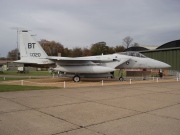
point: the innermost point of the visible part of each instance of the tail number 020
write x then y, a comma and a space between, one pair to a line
35, 54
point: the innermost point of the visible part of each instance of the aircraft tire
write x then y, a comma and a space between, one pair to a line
76, 78
121, 79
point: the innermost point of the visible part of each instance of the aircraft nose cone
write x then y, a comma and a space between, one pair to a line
164, 65
157, 64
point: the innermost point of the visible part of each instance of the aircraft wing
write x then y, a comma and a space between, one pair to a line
93, 59
79, 61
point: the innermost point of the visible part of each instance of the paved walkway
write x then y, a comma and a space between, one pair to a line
137, 109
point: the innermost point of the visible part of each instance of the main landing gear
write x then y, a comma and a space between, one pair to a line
76, 78
121, 78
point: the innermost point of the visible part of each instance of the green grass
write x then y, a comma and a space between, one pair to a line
8, 88
31, 73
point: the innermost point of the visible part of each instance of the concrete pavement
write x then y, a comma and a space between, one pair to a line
137, 109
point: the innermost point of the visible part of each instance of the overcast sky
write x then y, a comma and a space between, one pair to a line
80, 23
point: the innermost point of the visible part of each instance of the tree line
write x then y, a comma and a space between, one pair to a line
53, 48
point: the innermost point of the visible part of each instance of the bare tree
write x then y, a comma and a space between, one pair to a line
127, 41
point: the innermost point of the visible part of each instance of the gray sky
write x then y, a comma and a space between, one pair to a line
80, 23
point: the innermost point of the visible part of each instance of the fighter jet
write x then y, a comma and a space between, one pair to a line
32, 53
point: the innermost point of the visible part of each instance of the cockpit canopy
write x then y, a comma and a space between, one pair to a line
132, 53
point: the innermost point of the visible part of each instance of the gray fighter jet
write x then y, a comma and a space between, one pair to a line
31, 53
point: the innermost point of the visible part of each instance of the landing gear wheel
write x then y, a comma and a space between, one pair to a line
76, 78
121, 79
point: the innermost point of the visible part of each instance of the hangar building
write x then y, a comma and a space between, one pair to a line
168, 53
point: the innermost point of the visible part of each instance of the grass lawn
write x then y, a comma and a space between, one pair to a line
31, 73
17, 76
7, 88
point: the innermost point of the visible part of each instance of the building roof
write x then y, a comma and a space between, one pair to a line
163, 49
172, 44
167, 46
150, 47
136, 48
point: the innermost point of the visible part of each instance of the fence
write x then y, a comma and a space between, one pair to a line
68, 83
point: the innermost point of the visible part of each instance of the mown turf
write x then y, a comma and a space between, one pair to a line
31, 73
7, 88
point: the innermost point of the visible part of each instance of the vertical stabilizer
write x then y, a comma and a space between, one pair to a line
29, 47
31, 51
